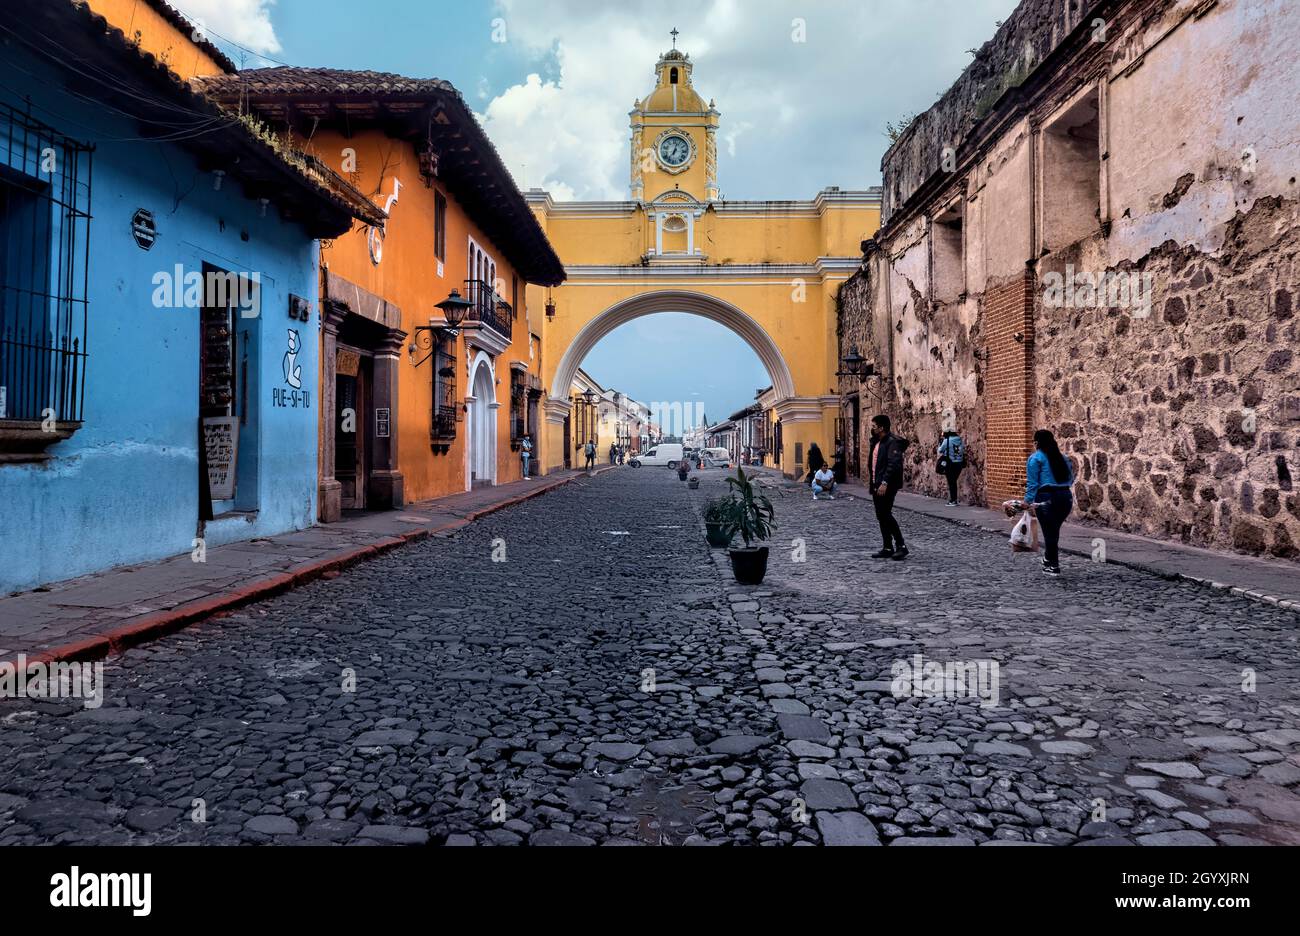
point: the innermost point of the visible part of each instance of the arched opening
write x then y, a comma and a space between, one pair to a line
672, 76
709, 307
672, 402
482, 453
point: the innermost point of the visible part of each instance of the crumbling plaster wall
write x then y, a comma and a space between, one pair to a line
1185, 420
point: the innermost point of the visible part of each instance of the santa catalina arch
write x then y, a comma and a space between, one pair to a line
768, 270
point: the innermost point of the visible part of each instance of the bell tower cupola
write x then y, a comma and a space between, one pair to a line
674, 135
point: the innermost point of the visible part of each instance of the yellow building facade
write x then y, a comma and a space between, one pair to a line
768, 270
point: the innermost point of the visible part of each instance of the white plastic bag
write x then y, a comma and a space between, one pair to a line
1024, 535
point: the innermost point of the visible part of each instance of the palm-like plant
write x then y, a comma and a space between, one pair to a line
746, 511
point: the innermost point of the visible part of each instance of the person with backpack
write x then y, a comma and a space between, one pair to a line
1048, 479
589, 450
952, 459
885, 478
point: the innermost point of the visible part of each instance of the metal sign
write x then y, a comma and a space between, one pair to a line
382, 417
221, 442
144, 229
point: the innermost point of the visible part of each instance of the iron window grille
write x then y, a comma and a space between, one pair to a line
518, 406
446, 411
44, 260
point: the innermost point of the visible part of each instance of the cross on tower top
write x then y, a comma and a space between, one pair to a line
674, 34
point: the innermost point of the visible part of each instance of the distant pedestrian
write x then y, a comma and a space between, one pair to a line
526, 453
885, 461
613, 454
823, 483
815, 461
1048, 478
589, 450
952, 459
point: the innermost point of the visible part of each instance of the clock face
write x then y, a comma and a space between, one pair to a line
674, 151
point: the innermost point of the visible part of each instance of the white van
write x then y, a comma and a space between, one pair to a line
717, 458
665, 454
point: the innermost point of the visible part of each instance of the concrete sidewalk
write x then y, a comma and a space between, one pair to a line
1273, 581
106, 612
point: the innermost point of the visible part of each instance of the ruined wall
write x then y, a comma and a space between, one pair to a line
1178, 395
1025, 38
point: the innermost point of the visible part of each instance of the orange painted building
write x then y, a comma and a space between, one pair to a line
157, 28
411, 410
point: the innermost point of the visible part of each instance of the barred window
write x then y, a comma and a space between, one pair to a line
518, 405
44, 235
446, 411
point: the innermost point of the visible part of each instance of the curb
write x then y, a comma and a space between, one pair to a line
161, 623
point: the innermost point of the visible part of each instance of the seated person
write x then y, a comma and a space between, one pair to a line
823, 482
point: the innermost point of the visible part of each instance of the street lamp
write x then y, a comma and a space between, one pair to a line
856, 366
454, 309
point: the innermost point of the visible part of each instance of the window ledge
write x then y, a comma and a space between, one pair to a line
24, 441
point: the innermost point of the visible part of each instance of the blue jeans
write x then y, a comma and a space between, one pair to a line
1057, 502
818, 489
526, 457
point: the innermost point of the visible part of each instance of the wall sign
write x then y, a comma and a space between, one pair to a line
299, 309
144, 229
382, 417
221, 442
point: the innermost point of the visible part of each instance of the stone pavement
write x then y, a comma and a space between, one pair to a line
1271, 581
89, 616
581, 668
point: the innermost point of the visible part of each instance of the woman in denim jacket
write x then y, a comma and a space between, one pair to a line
1048, 478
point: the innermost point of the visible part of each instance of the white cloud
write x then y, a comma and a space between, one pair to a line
795, 116
246, 22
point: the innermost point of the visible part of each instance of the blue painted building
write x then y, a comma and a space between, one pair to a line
158, 322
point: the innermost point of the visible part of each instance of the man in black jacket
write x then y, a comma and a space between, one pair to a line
885, 474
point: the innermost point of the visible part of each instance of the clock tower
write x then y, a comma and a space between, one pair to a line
674, 135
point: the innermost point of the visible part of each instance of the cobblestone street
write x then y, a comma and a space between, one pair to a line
608, 682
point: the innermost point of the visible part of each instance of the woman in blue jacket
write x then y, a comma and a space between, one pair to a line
1048, 477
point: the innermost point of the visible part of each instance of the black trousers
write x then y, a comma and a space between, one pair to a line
889, 531
1057, 503
953, 472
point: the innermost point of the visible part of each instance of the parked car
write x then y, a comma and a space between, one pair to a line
717, 458
664, 455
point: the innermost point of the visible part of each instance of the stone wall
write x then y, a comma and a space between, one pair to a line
1186, 424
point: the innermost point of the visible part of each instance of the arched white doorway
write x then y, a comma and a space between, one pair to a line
482, 449
649, 303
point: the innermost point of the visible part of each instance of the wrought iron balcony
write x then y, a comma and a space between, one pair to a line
490, 309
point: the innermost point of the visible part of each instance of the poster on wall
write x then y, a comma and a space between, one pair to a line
221, 445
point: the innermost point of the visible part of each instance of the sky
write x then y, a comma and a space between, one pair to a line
805, 89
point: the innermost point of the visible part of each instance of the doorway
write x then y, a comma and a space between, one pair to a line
483, 428
352, 389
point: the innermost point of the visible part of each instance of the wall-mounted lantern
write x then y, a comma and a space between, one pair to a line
550, 306
454, 309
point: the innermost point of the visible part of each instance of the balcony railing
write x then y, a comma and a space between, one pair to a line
489, 308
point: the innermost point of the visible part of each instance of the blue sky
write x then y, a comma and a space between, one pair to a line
553, 80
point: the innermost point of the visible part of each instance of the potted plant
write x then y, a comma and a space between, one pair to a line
693, 483
750, 514
715, 518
